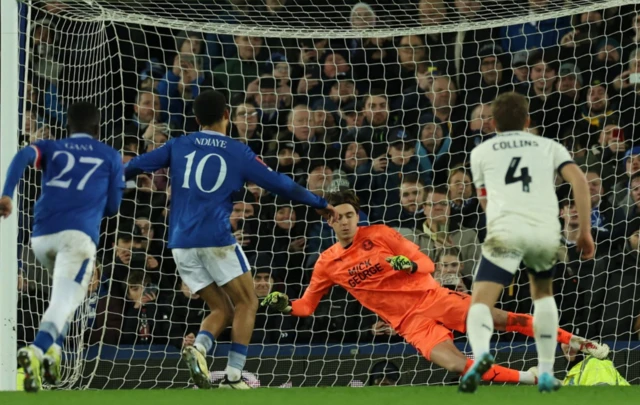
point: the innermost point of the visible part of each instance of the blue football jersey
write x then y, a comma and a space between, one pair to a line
82, 181
206, 168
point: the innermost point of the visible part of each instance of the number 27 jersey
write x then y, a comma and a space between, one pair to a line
516, 171
82, 181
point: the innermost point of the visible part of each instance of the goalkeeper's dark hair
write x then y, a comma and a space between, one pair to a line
83, 117
510, 112
344, 196
210, 107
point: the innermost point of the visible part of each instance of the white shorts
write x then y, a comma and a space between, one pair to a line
200, 267
536, 246
69, 254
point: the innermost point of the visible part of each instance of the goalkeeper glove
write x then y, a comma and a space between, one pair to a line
277, 301
402, 263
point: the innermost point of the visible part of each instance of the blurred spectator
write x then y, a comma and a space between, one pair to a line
537, 34
570, 82
147, 112
465, 208
270, 328
181, 85
607, 223
622, 301
493, 79
443, 98
188, 312
597, 107
388, 171
481, 126
551, 112
146, 319
520, 67
282, 245
409, 214
434, 150
268, 106
441, 45
449, 270
436, 232
621, 196
246, 129
634, 185
235, 73
377, 121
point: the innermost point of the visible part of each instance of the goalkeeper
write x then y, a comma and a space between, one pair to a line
389, 275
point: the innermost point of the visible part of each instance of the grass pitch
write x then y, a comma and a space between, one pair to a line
334, 396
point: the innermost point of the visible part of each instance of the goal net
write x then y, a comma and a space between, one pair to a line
386, 98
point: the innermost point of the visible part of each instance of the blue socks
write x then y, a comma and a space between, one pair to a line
47, 335
236, 361
204, 342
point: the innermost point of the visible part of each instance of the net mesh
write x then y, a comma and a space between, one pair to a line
387, 98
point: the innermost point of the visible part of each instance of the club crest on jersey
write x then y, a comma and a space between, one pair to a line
367, 245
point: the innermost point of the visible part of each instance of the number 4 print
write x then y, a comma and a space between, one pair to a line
524, 177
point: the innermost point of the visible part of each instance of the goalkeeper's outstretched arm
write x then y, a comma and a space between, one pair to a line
306, 305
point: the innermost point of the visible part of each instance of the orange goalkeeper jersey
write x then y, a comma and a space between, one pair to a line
361, 269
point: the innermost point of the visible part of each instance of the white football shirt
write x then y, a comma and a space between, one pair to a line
516, 172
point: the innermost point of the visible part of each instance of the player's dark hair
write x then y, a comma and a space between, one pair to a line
345, 196
209, 107
83, 117
510, 112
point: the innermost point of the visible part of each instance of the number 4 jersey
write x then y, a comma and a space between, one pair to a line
82, 181
206, 168
516, 171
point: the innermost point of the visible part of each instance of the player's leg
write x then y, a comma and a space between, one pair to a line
220, 316
545, 326
243, 296
230, 268
523, 324
74, 254
436, 345
198, 278
500, 261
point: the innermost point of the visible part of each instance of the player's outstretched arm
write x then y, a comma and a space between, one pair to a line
258, 172
582, 200
149, 162
306, 305
408, 257
116, 188
19, 162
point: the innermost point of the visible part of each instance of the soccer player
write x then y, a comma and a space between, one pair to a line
514, 174
389, 275
82, 181
206, 167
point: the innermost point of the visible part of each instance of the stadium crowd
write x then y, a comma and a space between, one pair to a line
392, 118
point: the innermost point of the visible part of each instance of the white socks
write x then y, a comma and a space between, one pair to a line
66, 297
545, 331
479, 329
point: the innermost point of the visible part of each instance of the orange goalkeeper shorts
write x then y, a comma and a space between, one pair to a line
431, 322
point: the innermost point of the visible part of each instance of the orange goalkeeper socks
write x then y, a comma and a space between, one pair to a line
500, 374
523, 324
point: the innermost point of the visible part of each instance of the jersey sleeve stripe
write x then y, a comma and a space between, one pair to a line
38, 156
563, 164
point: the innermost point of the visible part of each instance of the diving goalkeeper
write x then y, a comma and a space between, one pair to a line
390, 276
